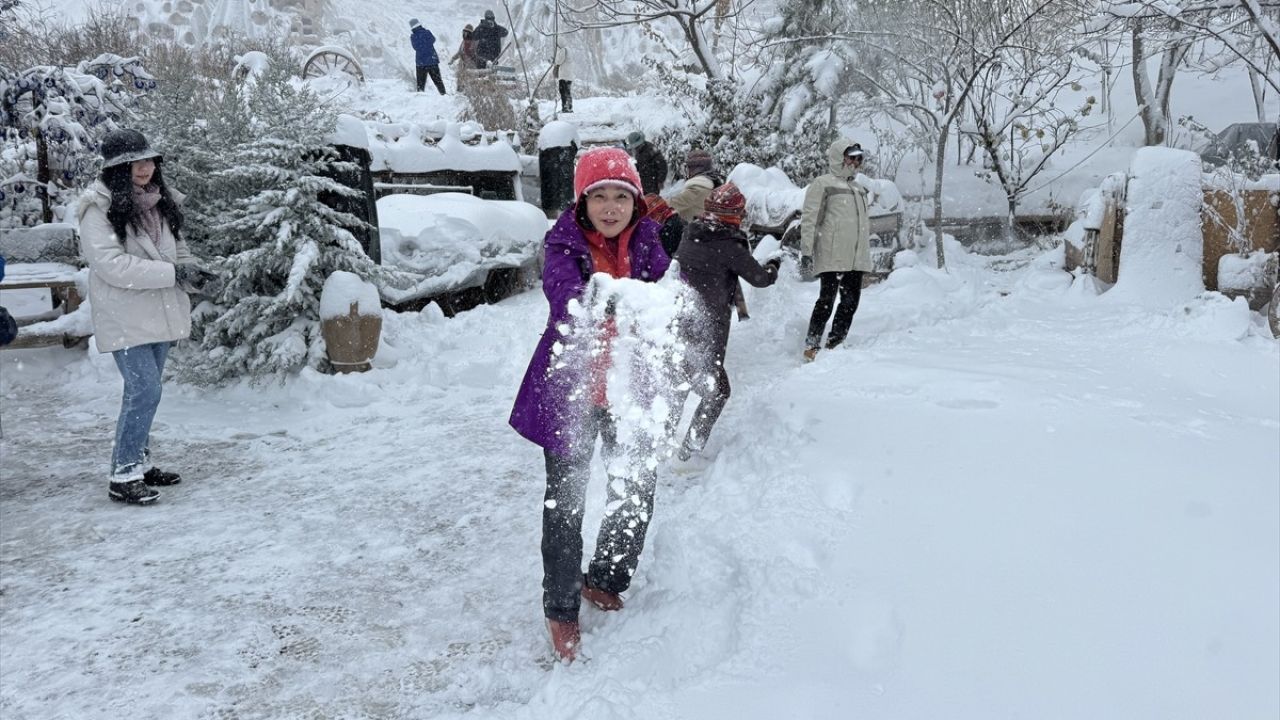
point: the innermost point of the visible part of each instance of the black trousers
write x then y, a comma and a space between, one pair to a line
712, 385
705, 375
434, 72
849, 285
566, 96
622, 531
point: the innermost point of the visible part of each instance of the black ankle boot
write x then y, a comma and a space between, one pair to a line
134, 492
155, 477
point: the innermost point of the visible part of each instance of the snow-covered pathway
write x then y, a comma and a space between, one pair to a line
1001, 501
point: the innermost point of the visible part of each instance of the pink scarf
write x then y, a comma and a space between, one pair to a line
145, 200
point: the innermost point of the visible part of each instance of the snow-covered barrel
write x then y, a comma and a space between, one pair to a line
350, 321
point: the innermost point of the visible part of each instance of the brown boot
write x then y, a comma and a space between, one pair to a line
565, 638
602, 599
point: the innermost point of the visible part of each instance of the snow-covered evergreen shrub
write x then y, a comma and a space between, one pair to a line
489, 105
197, 119
278, 240
804, 150
53, 118
736, 131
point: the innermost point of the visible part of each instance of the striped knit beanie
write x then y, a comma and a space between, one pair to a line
697, 162
727, 204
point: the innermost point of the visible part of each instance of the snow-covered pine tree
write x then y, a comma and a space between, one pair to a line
736, 131
280, 242
190, 114
808, 63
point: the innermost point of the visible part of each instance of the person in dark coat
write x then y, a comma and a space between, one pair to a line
713, 255
563, 403
649, 161
425, 58
488, 37
672, 226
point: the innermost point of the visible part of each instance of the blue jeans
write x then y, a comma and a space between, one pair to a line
142, 368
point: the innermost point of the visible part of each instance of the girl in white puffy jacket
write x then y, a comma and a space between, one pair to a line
139, 273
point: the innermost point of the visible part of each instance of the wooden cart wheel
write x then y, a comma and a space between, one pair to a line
329, 60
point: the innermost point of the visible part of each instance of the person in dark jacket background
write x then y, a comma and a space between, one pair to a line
701, 177
649, 162
488, 37
713, 255
425, 58
672, 226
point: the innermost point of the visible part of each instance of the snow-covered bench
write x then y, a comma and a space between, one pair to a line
61, 323
45, 257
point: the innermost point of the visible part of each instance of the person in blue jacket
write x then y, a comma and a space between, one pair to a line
424, 48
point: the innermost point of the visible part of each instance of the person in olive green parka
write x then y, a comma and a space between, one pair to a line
835, 243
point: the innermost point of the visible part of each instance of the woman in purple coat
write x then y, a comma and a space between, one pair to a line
562, 404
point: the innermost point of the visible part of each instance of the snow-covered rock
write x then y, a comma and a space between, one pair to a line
454, 239
1161, 255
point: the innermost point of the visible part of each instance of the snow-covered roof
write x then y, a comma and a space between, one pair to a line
454, 239
412, 148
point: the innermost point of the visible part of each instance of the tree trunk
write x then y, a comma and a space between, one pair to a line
43, 177
939, 157
701, 48
1259, 95
1169, 62
1153, 131
1010, 223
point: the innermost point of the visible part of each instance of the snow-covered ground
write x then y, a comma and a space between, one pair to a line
1005, 498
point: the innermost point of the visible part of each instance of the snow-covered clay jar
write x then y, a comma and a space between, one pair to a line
350, 321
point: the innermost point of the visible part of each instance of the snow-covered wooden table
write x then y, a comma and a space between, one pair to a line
60, 280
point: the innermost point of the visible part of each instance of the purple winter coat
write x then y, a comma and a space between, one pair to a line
543, 411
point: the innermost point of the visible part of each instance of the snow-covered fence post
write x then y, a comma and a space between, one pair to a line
557, 148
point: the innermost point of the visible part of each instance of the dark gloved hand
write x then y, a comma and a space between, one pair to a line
773, 264
806, 266
196, 280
